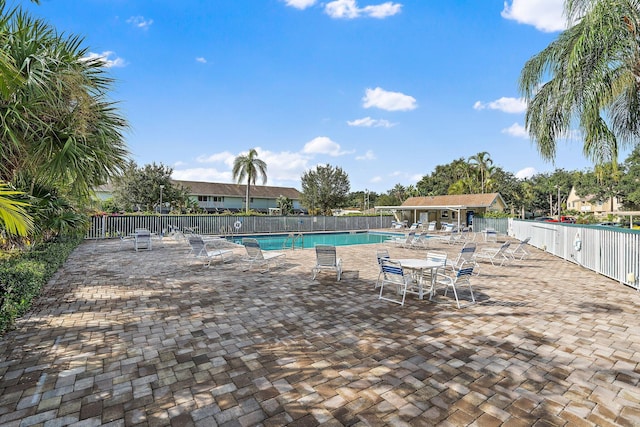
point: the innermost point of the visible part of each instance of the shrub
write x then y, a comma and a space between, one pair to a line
23, 276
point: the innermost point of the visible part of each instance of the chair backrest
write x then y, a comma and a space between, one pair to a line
326, 255
466, 253
502, 248
437, 257
382, 254
197, 244
465, 271
393, 271
252, 247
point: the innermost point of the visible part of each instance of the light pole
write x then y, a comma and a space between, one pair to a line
161, 188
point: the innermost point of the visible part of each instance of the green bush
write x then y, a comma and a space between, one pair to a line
22, 277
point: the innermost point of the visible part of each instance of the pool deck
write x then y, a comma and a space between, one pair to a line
152, 338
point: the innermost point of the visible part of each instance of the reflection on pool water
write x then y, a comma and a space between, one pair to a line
284, 241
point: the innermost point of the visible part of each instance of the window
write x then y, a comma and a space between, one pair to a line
202, 198
444, 214
218, 198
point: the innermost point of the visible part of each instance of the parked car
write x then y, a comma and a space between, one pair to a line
568, 219
546, 219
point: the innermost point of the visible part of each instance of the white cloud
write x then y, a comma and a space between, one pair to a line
369, 122
376, 179
201, 60
140, 22
516, 130
504, 104
367, 156
390, 101
104, 57
526, 173
348, 9
202, 174
323, 145
223, 157
300, 4
545, 15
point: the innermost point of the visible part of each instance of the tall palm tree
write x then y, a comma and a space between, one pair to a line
588, 77
483, 164
14, 220
250, 167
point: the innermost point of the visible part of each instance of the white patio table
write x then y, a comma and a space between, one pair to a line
419, 266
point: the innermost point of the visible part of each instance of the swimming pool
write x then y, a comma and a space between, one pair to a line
284, 241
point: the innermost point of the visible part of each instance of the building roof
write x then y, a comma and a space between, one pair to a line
458, 201
238, 190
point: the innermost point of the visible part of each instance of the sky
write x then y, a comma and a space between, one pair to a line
385, 90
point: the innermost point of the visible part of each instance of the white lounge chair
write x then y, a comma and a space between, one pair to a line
327, 259
466, 255
404, 241
494, 255
142, 239
255, 255
202, 249
520, 252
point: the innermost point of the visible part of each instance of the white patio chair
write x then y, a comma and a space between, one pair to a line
142, 239
380, 255
465, 256
520, 252
327, 259
393, 276
458, 278
255, 255
201, 249
494, 255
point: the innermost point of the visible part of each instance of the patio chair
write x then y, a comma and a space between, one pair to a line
124, 238
393, 276
465, 256
202, 249
255, 255
404, 241
490, 235
327, 259
432, 226
520, 252
142, 239
380, 255
458, 278
420, 241
494, 255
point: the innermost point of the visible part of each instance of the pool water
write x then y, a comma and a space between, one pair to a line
278, 241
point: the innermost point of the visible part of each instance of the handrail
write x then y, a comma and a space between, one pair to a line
293, 237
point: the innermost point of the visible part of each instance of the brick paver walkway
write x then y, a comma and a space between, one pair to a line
153, 339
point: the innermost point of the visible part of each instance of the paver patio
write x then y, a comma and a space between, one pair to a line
152, 338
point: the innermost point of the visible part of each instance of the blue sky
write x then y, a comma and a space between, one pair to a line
385, 90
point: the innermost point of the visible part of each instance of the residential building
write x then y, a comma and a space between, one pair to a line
215, 197
588, 205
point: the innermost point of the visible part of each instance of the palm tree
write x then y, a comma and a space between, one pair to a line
13, 217
594, 69
483, 164
250, 167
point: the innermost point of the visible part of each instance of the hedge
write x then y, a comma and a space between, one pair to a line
23, 276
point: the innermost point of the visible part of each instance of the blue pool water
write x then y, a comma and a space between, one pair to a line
277, 241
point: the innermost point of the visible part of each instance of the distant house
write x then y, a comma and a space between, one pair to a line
455, 208
215, 197
219, 197
588, 205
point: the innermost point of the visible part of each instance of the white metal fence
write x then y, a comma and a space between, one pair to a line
612, 252
111, 226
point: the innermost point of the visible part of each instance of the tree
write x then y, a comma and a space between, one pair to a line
324, 189
57, 124
285, 204
443, 177
630, 181
600, 185
138, 189
482, 163
14, 220
593, 70
249, 167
